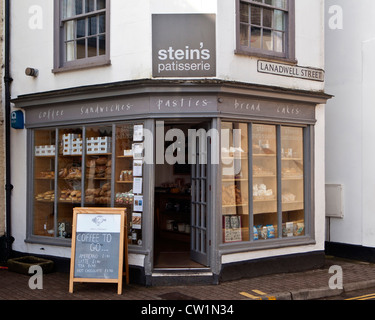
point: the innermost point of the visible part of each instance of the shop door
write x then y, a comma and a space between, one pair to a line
200, 173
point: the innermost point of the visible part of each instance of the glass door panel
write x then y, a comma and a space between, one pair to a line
264, 181
69, 182
292, 176
44, 183
235, 182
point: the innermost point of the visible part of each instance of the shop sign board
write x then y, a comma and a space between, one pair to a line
184, 45
98, 246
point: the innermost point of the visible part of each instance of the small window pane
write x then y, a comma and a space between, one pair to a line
71, 8
279, 20
81, 28
244, 12
92, 25
90, 5
255, 15
278, 41
69, 30
267, 40
81, 49
100, 4
69, 51
277, 3
101, 45
244, 36
256, 38
101, 23
92, 46
267, 18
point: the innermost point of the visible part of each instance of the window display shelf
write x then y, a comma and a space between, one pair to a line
261, 155
233, 158
292, 159
234, 205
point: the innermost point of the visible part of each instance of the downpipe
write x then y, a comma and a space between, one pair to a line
7, 82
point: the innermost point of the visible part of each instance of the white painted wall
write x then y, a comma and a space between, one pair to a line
131, 38
350, 130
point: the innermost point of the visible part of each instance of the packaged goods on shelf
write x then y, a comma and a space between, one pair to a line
46, 150
67, 142
76, 146
264, 232
293, 228
95, 145
124, 198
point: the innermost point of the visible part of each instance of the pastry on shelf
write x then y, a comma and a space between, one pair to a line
101, 161
231, 195
46, 175
288, 197
46, 196
261, 192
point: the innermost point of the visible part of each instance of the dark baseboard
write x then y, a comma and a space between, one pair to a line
273, 265
350, 251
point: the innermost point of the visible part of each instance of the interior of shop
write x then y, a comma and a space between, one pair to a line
172, 223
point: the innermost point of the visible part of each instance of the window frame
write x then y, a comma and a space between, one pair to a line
288, 55
31, 237
60, 64
309, 198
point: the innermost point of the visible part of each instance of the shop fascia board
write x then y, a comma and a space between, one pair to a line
172, 87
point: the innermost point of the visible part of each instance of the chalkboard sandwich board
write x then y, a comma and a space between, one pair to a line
98, 246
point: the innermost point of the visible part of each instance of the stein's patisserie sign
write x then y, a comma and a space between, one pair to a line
183, 45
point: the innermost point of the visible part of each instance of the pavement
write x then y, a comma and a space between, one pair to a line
308, 285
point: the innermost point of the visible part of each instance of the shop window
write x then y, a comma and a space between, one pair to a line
292, 182
266, 27
44, 183
267, 202
235, 182
75, 167
69, 179
81, 35
264, 182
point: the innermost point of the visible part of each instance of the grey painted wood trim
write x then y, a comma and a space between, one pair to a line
149, 87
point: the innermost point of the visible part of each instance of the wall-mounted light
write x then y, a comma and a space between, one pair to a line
31, 72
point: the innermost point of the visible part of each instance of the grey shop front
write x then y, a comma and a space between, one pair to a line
115, 145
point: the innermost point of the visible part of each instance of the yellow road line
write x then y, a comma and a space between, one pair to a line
249, 296
365, 297
368, 298
259, 292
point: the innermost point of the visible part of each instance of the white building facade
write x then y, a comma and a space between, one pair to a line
129, 74
349, 49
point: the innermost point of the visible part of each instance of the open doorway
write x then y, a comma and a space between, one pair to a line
175, 229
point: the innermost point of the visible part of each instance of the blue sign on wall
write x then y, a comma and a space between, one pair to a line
16, 119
